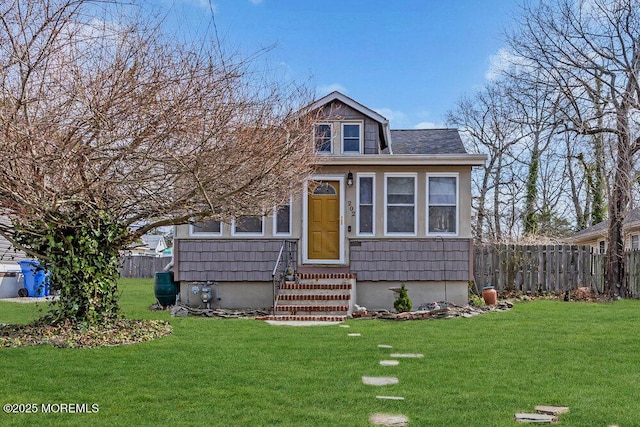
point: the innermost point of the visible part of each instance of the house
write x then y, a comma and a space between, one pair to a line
150, 244
10, 281
386, 207
596, 235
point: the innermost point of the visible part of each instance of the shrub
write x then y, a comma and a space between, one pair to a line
403, 302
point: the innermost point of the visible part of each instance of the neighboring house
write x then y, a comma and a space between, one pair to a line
596, 236
9, 268
385, 207
150, 244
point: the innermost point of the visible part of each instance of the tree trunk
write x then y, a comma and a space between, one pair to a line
83, 260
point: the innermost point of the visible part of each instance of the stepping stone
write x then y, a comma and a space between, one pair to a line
389, 362
407, 355
384, 346
389, 420
354, 335
536, 418
345, 326
379, 380
552, 410
390, 397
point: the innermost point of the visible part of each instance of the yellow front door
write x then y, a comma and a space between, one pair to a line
324, 221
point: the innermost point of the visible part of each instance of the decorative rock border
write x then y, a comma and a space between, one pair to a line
444, 310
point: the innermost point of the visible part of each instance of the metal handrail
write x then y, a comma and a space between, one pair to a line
289, 250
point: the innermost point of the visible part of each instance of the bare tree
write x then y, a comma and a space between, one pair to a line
105, 123
484, 120
584, 48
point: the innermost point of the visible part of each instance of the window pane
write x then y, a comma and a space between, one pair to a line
324, 188
366, 190
400, 219
366, 219
400, 185
351, 131
442, 190
282, 219
351, 138
206, 227
322, 138
249, 224
442, 219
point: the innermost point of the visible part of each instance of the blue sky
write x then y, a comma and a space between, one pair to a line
409, 60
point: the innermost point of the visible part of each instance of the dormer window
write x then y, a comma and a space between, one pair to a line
351, 138
322, 136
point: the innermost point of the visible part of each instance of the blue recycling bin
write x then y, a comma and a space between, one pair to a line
34, 277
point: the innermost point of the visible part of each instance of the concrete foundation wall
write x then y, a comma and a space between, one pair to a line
378, 296
233, 295
373, 295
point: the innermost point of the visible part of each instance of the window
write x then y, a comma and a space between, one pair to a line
351, 138
365, 204
602, 247
442, 204
282, 219
635, 242
250, 225
322, 138
206, 228
400, 204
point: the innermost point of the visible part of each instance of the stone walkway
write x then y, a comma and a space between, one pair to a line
382, 419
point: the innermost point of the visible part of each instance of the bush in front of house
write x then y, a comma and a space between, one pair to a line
403, 302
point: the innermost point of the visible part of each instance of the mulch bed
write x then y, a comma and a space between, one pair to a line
124, 331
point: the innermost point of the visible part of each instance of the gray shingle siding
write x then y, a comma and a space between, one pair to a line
405, 260
225, 260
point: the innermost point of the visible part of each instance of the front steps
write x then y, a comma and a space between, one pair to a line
319, 297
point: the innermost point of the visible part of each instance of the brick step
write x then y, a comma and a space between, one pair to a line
305, 318
317, 276
317, 286
312, 309
314, 297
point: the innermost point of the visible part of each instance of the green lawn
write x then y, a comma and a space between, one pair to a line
476, 372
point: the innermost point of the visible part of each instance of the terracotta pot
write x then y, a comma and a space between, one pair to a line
489, 295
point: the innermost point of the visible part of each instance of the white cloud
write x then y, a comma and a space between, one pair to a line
504, 60
327, 89
498, 63
397, 117
428, 125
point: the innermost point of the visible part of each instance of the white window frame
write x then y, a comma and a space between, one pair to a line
360, 137
373, 203
637, 245
413, 175
275, 219
443, 175
331, 136
234, 232
193, 232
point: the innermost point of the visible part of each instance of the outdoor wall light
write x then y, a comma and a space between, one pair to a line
349, 179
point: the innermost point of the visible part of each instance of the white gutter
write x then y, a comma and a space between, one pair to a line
403, 159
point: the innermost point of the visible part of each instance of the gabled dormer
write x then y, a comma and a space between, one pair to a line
346, 127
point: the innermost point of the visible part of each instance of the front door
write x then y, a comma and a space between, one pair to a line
324, 221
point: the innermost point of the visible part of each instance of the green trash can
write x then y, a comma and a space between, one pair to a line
165, 289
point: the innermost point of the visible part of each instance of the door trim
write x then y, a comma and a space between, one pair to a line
305, 225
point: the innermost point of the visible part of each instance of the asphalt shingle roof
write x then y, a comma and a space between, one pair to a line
427, 141
600, 228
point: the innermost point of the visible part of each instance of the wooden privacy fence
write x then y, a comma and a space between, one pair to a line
142, 266
548, 268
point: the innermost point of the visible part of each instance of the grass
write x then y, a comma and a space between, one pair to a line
476, 372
